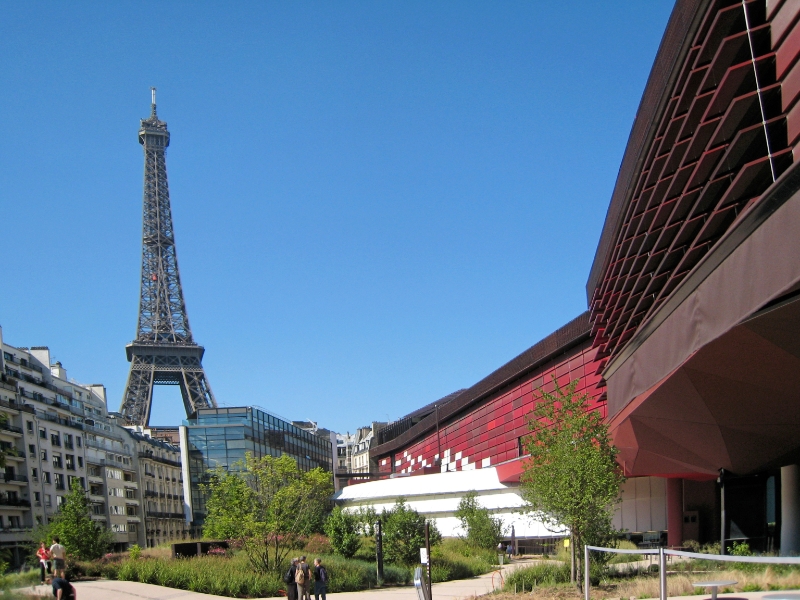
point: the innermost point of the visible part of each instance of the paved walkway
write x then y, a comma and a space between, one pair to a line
129, 590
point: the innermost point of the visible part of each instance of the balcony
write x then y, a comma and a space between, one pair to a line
150, 494
6, 502
11, 430
165, 515
166, 461
13, 479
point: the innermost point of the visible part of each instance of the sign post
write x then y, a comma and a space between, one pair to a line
379, 550
428, 556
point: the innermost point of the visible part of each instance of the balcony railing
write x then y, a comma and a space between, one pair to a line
6, 501
7, 427
165, 461
13, 478
165, 515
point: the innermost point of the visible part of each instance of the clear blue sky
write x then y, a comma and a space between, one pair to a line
375, 203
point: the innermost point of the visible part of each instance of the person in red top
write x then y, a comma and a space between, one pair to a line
44, 555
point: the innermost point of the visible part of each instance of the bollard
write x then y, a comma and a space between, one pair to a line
586, 572
662, 574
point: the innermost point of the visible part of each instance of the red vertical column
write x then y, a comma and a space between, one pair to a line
674, 512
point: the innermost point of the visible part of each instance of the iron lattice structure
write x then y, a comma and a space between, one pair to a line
164, 352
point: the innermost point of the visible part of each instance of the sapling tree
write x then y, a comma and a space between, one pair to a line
266, 506
572, 479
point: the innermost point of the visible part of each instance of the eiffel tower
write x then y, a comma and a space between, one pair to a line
164, 352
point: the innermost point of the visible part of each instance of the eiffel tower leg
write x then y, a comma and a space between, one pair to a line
194, 385
138, 396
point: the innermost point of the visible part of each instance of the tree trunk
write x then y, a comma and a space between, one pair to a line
572, 577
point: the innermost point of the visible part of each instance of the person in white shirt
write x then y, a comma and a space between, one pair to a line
59, 555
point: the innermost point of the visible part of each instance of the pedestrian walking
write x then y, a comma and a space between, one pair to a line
62, 589
59, 554
304, 584
44, 556
320, 579
288, 579
509, 551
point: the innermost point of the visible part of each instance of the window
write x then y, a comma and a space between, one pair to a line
131, 527
15, 524
94, 471
80, 462
46, 479
55, 439
78, 440
115, 492
32, 450
59, 500
118, 527
130, 493
29, 425
70, 460
44, 455
43, 433
48, 500
57, 463
98, 509
68, 441
96, 490
35, 474
114, 473
60, 481
130, 511
116, 510
37, 497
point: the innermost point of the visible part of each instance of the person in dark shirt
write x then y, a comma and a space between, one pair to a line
291, 586
62, 589
320, 579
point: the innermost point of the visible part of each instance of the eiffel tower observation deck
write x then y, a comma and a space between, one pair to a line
164, 351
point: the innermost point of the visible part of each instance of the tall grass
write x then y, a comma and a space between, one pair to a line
456, 559
235, 578
540, 574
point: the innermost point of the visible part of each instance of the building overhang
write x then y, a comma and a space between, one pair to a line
712, 379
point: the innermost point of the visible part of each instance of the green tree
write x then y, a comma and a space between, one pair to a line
342, 529
73, 525
266, 506
404, 534
572, 478
482, 529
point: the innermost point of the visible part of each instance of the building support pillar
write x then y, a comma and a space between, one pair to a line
790, 510
674, 512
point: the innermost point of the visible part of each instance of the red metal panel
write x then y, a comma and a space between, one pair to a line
788, 51
783, 20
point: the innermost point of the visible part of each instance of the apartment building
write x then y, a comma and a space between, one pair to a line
54, 430
159, 465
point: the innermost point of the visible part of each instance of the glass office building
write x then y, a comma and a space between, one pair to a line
220, 437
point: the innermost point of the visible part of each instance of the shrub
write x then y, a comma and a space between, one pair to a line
404, 534
342, 529
625, 558
317, 545
134, 552
482, 529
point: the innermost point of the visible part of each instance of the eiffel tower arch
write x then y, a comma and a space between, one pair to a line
164, 351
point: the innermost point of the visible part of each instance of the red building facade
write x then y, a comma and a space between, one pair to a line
689, 348
482, 426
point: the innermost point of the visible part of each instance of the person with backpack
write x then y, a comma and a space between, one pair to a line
302, 578
288, 579
320, 579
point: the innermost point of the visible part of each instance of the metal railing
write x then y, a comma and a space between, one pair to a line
662, 562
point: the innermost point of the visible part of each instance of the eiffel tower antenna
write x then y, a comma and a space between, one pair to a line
164, 352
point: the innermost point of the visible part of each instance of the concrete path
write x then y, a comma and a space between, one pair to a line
129, 590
